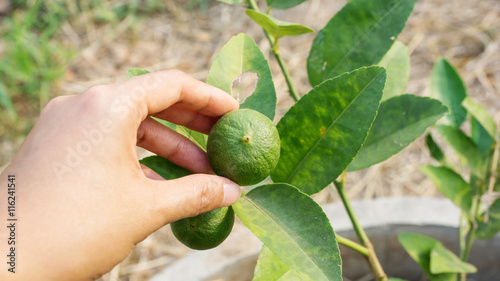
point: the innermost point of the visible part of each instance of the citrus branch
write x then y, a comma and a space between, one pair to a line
353, 245
375, 265
274, 47
493, 176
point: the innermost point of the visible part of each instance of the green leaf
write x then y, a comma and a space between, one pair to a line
464, 147
399, 122
445, 261
164, 168
396, 279
283, 4
481, 137
419, 247
6, 102
277, 28
451, 185
231, 2
198, 138
325, 129
136, 72
481, 115
488, 229
434, 149
358, 35
294, 227
270, 267
238, 56
397, 64
497, 182
448, 87
166, 123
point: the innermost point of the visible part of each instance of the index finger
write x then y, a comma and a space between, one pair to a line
158, 91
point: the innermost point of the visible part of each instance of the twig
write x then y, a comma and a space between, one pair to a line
375, 265
274, 47
353, 245
493, 178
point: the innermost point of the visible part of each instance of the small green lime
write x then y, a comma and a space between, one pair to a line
244, 146
205, 231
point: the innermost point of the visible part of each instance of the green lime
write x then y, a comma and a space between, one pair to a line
244, 146
205, 231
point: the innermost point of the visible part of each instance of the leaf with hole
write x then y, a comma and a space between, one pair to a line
448, 87
325, 129
241, 55
164, 168
451, 185
399, 122
301, 236
397, 64
358, 35
419, 247
445, 261
276, 28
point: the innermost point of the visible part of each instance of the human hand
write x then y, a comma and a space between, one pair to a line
83, 199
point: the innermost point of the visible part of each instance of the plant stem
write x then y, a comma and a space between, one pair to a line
291, 87
353, 245
274, 47
465, 253
492, 181
471, 236
375, 265
463, 230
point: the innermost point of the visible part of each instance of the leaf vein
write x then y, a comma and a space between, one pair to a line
289, 236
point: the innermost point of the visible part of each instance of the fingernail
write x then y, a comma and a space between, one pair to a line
232, 193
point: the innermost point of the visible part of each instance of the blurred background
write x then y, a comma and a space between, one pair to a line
51, 48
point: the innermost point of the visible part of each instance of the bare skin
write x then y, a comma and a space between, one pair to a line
83, 201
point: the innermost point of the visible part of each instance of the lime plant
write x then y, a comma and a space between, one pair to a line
357, 114
471, 183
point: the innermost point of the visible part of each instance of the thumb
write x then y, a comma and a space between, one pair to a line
192, 195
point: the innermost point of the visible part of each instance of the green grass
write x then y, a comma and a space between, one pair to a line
31, 62
34, 56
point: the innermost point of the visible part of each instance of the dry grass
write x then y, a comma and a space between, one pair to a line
467, 32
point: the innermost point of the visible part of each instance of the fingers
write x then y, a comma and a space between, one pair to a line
168, 144
188, 118
150, 174
159, 90
190, 196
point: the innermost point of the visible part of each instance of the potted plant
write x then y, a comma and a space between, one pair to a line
356, 115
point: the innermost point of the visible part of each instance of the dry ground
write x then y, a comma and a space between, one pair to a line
467, 32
